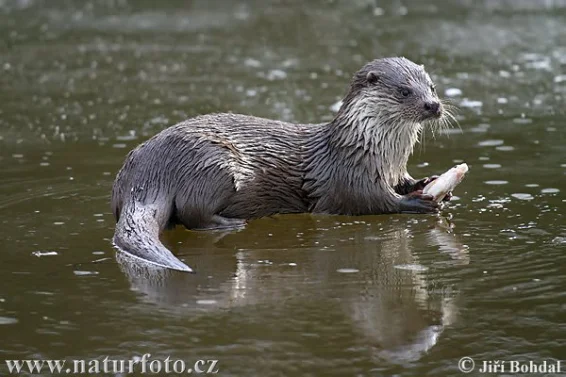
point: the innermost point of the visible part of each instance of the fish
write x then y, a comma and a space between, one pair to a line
446, 182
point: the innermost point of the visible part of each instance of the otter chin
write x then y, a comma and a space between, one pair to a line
220, 170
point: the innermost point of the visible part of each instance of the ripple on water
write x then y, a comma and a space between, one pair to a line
490, 143
550, 190
8, 321
540, 279
480, 128
453, 92
85, 273
491, 166
347, 270
471, 103
411, 267
276, 74
207, 302
496, 182
44, 253
39, 188
505, 148
129, 137
522, 120
522, 196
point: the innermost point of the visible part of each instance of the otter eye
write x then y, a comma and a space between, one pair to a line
405, 92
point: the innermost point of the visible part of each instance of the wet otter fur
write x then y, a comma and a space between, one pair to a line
219, 170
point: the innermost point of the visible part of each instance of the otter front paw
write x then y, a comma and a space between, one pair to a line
417, 202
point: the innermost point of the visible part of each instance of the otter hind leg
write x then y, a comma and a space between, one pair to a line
196, 207
218, 222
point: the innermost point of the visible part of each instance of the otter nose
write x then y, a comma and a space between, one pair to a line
432, 107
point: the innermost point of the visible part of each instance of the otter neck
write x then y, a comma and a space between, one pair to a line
373, 139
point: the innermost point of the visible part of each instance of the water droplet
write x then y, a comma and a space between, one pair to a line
207, 302
453, 92
252, 63
470, 103
550, 190
335, 107
44, 253
7, 321
85, 273
347, 270
480, 128
378, 12
491, 166
522, 120
276, 74
522, 196
490, 143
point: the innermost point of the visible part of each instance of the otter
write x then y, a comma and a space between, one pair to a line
219, 170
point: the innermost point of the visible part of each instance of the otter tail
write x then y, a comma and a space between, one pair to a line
137, 234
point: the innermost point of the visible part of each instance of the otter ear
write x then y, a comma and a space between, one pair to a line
372, 77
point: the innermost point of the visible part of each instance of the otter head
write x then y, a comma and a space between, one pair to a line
395, 90
388, 101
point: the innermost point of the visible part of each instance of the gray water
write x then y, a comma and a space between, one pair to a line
82, 83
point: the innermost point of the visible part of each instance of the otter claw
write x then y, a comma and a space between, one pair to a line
417, 202
421, 183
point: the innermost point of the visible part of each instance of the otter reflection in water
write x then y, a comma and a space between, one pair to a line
391, 303
219, 170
